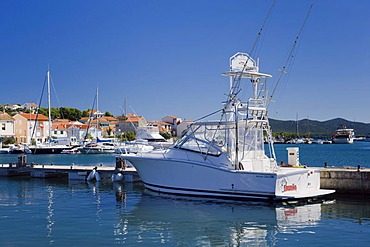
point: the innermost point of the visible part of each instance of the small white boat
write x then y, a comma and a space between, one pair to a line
18, 149
71, 151
327, 142
227, 158
98, 148
150, 135
134, 147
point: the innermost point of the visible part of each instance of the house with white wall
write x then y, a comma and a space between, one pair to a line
129, 122
183, 126
6, 125
174, 121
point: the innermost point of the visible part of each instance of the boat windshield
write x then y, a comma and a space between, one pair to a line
207, 138
214, 138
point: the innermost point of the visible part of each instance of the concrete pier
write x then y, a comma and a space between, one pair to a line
346, 180
71, 172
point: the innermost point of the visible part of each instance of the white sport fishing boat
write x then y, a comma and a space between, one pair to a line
227, 158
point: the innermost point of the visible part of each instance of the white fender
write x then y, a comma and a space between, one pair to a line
97, 176
117, 177
91, 175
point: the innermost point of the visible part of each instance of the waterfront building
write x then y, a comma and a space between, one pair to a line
105, 125
77, 129
161, 125
26, 124
173, 121
12, 107
183, 126
6, 125
129, 122
30, 106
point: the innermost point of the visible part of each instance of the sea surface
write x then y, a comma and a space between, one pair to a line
47, 212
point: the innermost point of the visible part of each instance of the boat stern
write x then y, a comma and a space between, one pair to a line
299, 183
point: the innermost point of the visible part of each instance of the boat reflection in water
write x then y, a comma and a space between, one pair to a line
41, 212
186, 221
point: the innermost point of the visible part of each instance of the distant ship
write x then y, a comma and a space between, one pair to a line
344, 136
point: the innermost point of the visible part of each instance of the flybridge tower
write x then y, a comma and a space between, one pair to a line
248, 140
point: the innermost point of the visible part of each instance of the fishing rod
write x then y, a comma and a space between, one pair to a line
237, 80
293, 51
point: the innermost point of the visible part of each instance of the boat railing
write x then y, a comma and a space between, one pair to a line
259, 103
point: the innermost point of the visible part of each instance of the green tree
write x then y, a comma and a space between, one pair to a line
72, 114
108, 114
8, 140
166, 135
43, 111
88, 136
55, 113
109, 131
130, 135
86, 113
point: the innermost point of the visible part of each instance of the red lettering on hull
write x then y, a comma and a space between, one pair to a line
292, 187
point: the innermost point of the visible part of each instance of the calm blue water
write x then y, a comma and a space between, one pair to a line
41, 212
334, 154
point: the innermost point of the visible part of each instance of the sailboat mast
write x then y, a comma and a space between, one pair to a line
296, 121
97, 112
125, 114
49, 105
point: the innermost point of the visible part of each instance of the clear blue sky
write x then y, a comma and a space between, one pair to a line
166, 57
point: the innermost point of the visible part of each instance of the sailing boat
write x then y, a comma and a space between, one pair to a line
51, 146
227, 158
98, 146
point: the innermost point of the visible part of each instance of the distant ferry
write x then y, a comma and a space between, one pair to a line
344, 136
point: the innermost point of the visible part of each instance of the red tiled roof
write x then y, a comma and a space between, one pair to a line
31, 104
6, 116
133, 119
58, 120
60, 126
111, 119
31, 116
129, 118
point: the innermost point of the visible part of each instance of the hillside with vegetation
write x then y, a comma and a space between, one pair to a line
304, 127
319, 129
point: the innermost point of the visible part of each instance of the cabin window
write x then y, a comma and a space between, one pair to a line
55, 132
199, 146
3, 126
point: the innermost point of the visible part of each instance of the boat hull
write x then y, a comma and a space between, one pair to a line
96, 151
48, 150
343, 140
196, 179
